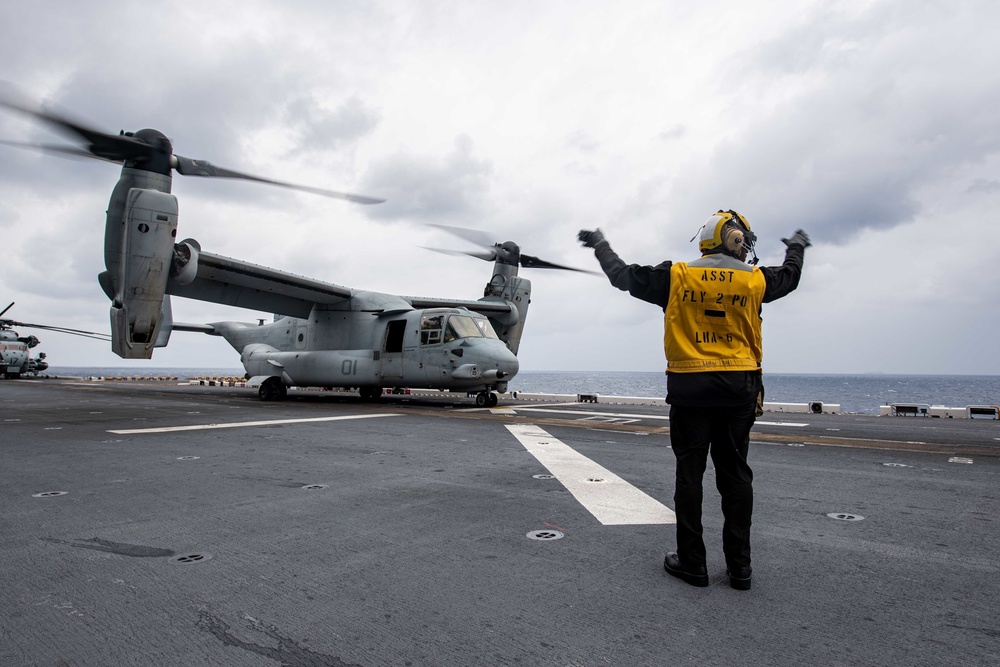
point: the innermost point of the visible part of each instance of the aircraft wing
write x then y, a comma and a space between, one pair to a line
485, 307
233, 282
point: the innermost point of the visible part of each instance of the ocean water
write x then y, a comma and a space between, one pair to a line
859, 394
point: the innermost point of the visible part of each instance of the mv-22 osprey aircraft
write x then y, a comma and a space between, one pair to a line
323, 334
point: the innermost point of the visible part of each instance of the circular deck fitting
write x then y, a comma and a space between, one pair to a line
49, 494
190, 559
544, 476
314, 487
188, 458
842, 516
896, 465
545, 535
596, 480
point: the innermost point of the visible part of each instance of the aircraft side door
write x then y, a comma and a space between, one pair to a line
392, 351
433, 355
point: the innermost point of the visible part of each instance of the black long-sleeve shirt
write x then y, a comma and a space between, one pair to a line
652, 284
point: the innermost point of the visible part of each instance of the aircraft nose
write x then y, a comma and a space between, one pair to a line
508, 363
495, 361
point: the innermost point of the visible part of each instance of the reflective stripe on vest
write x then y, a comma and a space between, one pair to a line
712, 321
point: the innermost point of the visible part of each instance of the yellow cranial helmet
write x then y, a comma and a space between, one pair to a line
728, 232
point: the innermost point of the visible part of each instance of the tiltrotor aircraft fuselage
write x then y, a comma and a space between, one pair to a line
322, 334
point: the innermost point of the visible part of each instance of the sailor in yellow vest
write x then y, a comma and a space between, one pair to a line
712, 341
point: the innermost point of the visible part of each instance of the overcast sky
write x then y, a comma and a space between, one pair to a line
871, 125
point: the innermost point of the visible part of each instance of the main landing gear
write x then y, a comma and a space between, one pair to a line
272, 389
486, 399
370, 393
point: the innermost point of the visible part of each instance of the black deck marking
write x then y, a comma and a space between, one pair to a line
132, 550
287, 652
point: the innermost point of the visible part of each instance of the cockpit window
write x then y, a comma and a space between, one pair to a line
434, 329
430, 329
461, 326
487, 328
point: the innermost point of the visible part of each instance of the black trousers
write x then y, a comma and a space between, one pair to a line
725, 432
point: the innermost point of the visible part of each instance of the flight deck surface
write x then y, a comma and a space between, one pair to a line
172, 524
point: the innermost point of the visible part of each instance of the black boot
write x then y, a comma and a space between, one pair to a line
739, 577
692, 574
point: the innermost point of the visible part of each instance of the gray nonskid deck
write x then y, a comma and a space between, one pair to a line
424, 532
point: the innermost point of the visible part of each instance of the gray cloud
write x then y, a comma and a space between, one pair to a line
322, 129
867, 129
983, 186
427, 189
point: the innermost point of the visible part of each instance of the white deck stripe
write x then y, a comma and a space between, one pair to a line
633, 416
612, 501
271, 422
591, 413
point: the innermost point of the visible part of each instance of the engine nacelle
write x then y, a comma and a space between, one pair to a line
185, 262
147, 250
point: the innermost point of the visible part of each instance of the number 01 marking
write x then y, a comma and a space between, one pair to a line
349, 367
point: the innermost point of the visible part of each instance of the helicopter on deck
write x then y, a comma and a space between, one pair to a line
15, 355
323, 334
15, 358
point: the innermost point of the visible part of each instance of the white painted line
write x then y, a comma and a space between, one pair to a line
626, 415
612, 500
271, 422
780, 424
589, 413
502, 411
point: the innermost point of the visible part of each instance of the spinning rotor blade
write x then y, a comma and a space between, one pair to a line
45, 327
473, 236
146, 147
481, 238
61, 151
489, 255
189, 167
529, 262
116, 148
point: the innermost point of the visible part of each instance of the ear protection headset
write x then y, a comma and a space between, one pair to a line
732, 239
729, 232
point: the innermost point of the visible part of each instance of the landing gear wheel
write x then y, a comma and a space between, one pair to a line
482, 399
371, 393
272, 389
492, 402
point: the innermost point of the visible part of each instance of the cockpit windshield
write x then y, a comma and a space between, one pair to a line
461, 326
487, 328
457, 327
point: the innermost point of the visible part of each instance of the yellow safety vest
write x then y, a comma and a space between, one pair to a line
712, 320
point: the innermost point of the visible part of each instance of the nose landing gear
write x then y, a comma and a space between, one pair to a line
486, 399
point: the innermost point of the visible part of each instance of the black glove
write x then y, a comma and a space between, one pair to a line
590, 239
798, 238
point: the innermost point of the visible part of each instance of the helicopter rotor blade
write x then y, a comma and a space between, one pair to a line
481, 238
473, 236
61, 151
45, 327
188, 167
127, 148
101, 145
489, 255
6, 309
529, 262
